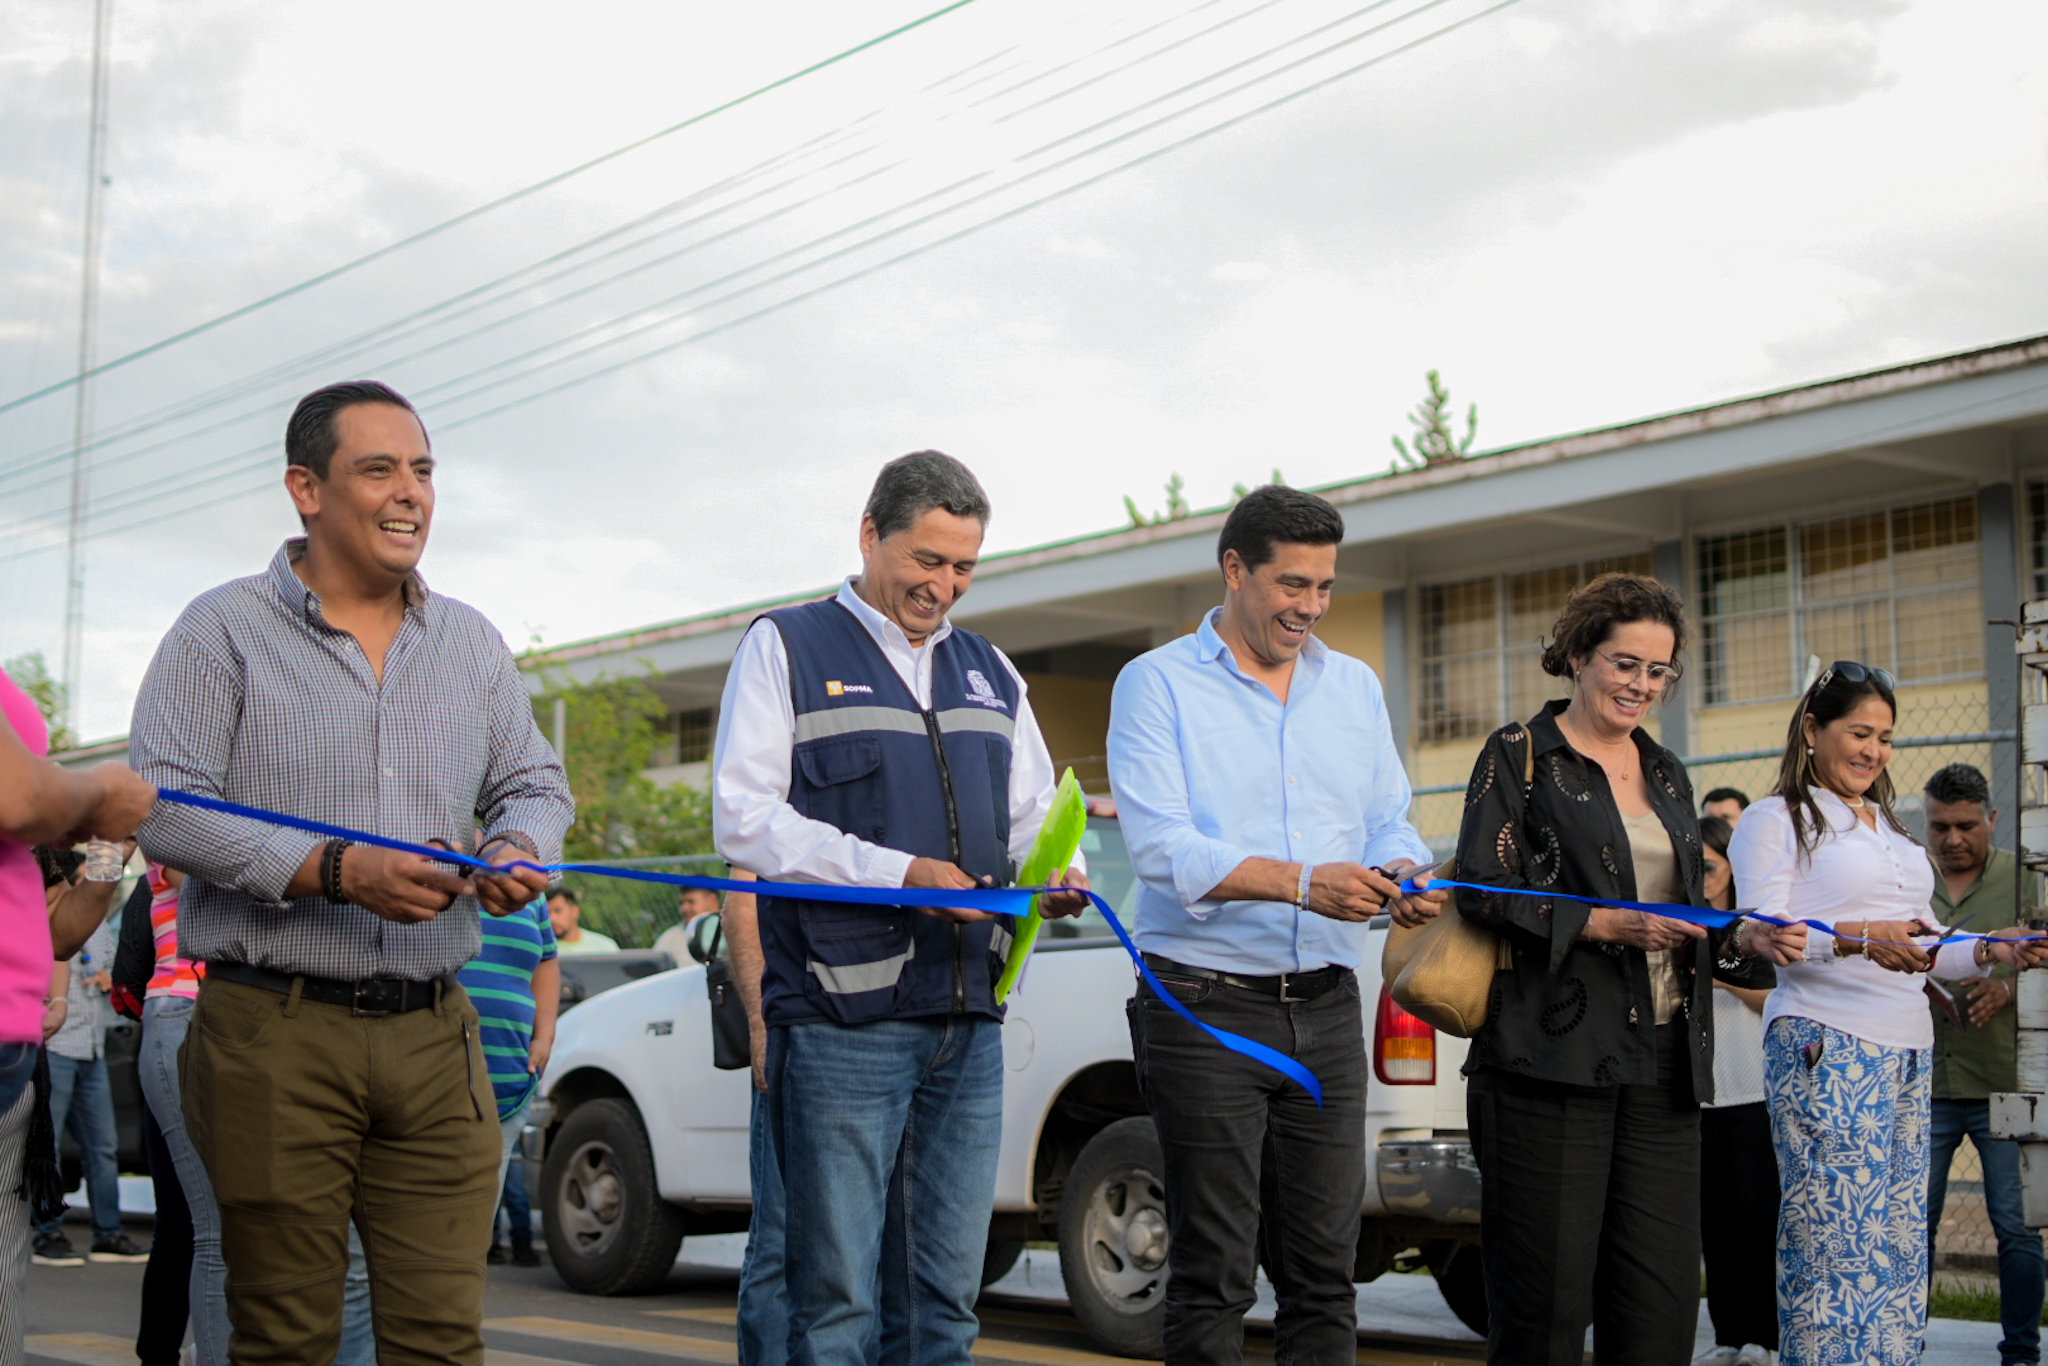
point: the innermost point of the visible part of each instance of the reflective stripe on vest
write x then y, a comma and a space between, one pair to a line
817, 725
850, 979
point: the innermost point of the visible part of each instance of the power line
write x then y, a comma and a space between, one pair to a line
863, 272
469, 215
448, 309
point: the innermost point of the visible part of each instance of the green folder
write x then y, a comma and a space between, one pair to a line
1052, 853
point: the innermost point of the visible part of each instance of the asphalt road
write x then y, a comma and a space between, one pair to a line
85, 1316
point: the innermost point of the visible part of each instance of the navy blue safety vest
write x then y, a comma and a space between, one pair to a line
868, 760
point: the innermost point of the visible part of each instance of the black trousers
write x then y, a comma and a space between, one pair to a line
167, 1280
1589, 1215
1739, 1224
1247, 1153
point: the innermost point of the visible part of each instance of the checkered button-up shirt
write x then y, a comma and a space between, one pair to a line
254, 698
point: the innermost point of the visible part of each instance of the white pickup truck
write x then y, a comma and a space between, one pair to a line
638, 1140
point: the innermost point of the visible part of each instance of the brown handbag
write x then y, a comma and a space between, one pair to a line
1441, 971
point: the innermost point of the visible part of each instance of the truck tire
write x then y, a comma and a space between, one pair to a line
1462, 1283
609, 1231
1001, 1256
1113, 1239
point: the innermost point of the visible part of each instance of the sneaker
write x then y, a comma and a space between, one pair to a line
1717, 1356
524, 1255
495, 1257
55, 1250
1753, 1355
119, 1248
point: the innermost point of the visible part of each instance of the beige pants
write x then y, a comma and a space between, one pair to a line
305, 1116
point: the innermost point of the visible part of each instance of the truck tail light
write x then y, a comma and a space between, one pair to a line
1403, 1047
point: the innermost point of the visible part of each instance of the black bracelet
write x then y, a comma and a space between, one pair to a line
330, 870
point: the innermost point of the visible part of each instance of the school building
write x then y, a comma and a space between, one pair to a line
1882, 517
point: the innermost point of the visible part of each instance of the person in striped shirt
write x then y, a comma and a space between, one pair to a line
516, 986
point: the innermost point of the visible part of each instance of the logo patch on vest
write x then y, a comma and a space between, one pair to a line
834, 688
980, 691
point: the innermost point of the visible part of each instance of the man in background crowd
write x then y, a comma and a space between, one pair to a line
565, 914
82, 1098
1975, 1041
684, 941
1726, 802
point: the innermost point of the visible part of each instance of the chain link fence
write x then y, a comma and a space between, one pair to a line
1930, 737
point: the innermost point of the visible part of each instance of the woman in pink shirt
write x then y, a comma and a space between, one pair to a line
40, 803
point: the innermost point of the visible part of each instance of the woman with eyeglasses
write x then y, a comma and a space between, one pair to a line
1848, 1044
1586, 1081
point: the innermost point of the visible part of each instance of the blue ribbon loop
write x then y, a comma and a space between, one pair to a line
1011, 901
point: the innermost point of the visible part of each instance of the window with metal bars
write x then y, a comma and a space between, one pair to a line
1479, 646
1897, 588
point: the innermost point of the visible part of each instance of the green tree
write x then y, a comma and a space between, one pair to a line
1176, 505
614, 727
52, 698
1434, 442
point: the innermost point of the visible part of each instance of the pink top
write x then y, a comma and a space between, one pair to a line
25, 950
174, 976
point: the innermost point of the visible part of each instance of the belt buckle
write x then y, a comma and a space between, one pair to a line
356, 1006
1286, 979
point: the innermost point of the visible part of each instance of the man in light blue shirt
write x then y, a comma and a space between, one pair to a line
1266, 808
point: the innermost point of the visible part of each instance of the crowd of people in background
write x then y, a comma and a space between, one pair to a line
340, 1041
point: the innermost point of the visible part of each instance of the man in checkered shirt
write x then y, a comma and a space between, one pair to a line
333, 1068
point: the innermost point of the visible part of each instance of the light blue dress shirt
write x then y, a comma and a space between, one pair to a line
1209, 769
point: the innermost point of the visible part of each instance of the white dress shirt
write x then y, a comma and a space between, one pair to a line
755, 826
1853, 873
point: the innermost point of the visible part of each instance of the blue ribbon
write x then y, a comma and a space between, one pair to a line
1011, 901
1709, 917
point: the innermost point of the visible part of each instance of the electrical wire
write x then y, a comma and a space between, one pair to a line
424, 319
863, 272
479, 211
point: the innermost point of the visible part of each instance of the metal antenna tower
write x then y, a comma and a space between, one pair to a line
81, 418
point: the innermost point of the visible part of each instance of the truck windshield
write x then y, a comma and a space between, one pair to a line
1110, 874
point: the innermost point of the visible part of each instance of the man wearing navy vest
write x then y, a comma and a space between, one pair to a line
865, 741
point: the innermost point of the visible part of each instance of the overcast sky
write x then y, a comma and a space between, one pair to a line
1581, 213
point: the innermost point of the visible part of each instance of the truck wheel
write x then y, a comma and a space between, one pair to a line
1002, 1255
1113, 1239
1462, 1283
609, 1231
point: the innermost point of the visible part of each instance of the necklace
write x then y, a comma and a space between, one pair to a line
1854, 803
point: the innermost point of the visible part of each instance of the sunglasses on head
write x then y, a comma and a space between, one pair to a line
1849, 671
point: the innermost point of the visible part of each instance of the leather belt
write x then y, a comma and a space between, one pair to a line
1287, 986
372, 996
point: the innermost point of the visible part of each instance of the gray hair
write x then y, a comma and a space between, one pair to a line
912, 485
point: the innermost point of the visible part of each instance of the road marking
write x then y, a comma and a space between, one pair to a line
1004, 1349
86, 1349
604, 1335
493, 1357
731, 1316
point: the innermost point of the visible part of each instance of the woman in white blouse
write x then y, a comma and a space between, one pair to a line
1848, 1041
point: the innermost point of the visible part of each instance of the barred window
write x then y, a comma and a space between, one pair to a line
686, 736
1897, 589
1480, 646
2037, 537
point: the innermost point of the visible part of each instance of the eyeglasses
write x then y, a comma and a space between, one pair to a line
1630, 668
1849, 671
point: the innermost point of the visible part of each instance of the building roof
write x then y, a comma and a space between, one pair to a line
1892, 406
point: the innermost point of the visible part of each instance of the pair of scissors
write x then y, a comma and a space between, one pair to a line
1403, 879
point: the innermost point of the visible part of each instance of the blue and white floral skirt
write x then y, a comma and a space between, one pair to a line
1849, 1120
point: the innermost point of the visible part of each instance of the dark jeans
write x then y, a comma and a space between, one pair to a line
1739, 1224
2021, 1266
81, 1097
167, 1280
764, 1298
1242, 1146
1589, 1215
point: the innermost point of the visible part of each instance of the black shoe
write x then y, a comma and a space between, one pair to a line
524, 1255
119, 1248
495, 1257
56, 1250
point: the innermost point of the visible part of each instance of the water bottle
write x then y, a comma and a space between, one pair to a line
104, 861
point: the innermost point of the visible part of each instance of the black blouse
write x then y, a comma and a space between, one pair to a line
1573, 1011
